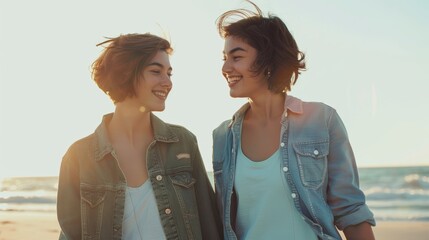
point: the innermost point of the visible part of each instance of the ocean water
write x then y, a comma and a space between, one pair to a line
393, 194
400, 193
28, 194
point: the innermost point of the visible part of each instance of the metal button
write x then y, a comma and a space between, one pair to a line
282, 144
316, 152
293, 195
159, 177
285, 169
167, 211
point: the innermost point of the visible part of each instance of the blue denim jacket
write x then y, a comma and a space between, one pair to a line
91, 188
318, 164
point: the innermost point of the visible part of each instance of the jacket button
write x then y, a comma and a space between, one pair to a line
282, 144
285, 169
167, 211
293, 195
316, 152
159, 177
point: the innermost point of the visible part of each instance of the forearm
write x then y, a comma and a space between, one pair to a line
361, 231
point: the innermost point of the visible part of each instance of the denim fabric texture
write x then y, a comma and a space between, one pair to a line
91, 187
317, 161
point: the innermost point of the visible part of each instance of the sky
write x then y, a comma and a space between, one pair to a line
367, 59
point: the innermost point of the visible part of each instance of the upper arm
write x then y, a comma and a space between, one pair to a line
345, 197
68, 198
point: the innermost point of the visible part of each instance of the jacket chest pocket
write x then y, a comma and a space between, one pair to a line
183, 184
92, 204
312, 160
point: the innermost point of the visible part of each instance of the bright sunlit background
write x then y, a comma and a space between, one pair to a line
367, 59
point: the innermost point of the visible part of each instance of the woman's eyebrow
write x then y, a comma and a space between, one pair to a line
235, 50
159, 65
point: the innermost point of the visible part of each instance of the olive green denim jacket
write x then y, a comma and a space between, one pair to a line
90, 203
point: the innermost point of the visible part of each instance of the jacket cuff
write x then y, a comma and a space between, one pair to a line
363, 214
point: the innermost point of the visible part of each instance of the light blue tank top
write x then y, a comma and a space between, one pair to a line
265, 206
141, 217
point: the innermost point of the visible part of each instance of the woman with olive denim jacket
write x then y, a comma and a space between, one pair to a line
92, 187
284, 168
136, 177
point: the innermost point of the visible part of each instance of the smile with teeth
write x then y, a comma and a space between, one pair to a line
160, 94
233, 79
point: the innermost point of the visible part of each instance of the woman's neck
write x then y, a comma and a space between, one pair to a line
130, 124
266, 107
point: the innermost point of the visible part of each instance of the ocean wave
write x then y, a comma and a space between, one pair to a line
27, 207
29, 184
380, 193
33, 200
416, 181
402, 218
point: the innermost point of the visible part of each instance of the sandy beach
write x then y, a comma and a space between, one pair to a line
30, 225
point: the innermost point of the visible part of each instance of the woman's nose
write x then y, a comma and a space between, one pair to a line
226, 67
166, 82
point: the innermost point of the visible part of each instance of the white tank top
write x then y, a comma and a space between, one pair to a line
141, 216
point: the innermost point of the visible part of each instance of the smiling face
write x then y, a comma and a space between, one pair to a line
239, 58
154, 84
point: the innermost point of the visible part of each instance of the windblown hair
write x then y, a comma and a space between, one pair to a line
117, 70
278, 55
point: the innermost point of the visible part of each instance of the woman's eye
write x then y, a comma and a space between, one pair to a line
156, 71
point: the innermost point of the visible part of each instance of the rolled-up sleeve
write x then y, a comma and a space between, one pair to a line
345, 198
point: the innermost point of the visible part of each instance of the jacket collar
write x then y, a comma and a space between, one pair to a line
162, 133
292, 104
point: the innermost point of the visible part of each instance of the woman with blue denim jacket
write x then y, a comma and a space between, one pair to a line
284, 168
136, 177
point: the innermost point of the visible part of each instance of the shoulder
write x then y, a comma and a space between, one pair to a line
220, 135
169, 131
310, 113
298, 107
77, 152
315, 109
316, 106
181, 131
81, 145
222, 128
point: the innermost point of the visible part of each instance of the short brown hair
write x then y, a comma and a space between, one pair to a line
117, 70
278, 54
